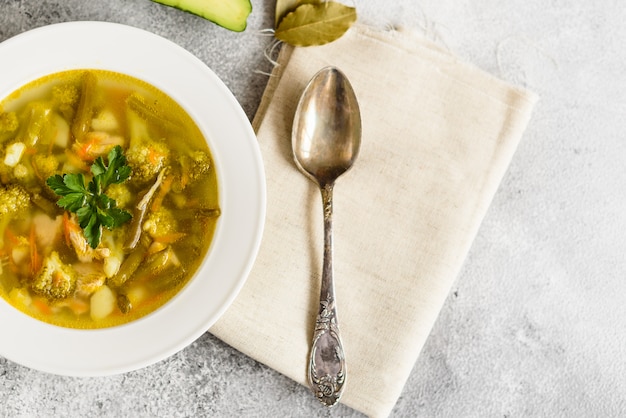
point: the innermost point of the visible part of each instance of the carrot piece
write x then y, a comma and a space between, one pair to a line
42, 306
67, 226
170, 238
11, 237
153, 156
30, 151
10, 240
166, 186
75, 160
50, 147
83, 149
192, 203
37, 172
78, 306
35, 258
184, 178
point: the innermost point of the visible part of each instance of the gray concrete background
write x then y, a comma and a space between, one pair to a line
536, 323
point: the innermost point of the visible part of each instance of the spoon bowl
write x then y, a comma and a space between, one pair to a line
326, 139
326, 135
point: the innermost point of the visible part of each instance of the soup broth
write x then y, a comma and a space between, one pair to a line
108, 198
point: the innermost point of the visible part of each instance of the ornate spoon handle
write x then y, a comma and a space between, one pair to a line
327, 364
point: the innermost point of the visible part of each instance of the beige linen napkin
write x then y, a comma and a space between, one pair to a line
438, 135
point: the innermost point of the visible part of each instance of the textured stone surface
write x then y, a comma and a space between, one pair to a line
535, 323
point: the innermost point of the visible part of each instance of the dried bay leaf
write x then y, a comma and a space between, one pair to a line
283, 7
315, 23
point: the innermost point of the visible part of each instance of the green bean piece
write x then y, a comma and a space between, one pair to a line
36, 120
138, 104
168, 279
49, 207
197, 213
84, 111
123, 303
129, 266
154, 264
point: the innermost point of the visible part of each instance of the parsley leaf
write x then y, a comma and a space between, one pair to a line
116, 172
93, 208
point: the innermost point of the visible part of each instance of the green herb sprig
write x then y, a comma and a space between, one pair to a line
93, 208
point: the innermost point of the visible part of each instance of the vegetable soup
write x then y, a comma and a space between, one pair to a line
108, 198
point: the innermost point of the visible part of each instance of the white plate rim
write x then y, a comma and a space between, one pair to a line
239, 165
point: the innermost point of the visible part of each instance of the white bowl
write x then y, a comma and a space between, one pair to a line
241, 182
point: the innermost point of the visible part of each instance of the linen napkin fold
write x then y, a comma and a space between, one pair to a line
438, 135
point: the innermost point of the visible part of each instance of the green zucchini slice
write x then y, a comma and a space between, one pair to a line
230, 14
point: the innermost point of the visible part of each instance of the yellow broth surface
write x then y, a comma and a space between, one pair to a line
63, 124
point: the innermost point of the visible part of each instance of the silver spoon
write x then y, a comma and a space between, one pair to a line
326, 138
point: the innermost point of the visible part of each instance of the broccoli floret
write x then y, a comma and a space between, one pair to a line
191, 166
46, 165
65, 97
147, 160
198, 163
120, 193
22, 174
160, 223
65, 94
8, 123
55, 280
13, 200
